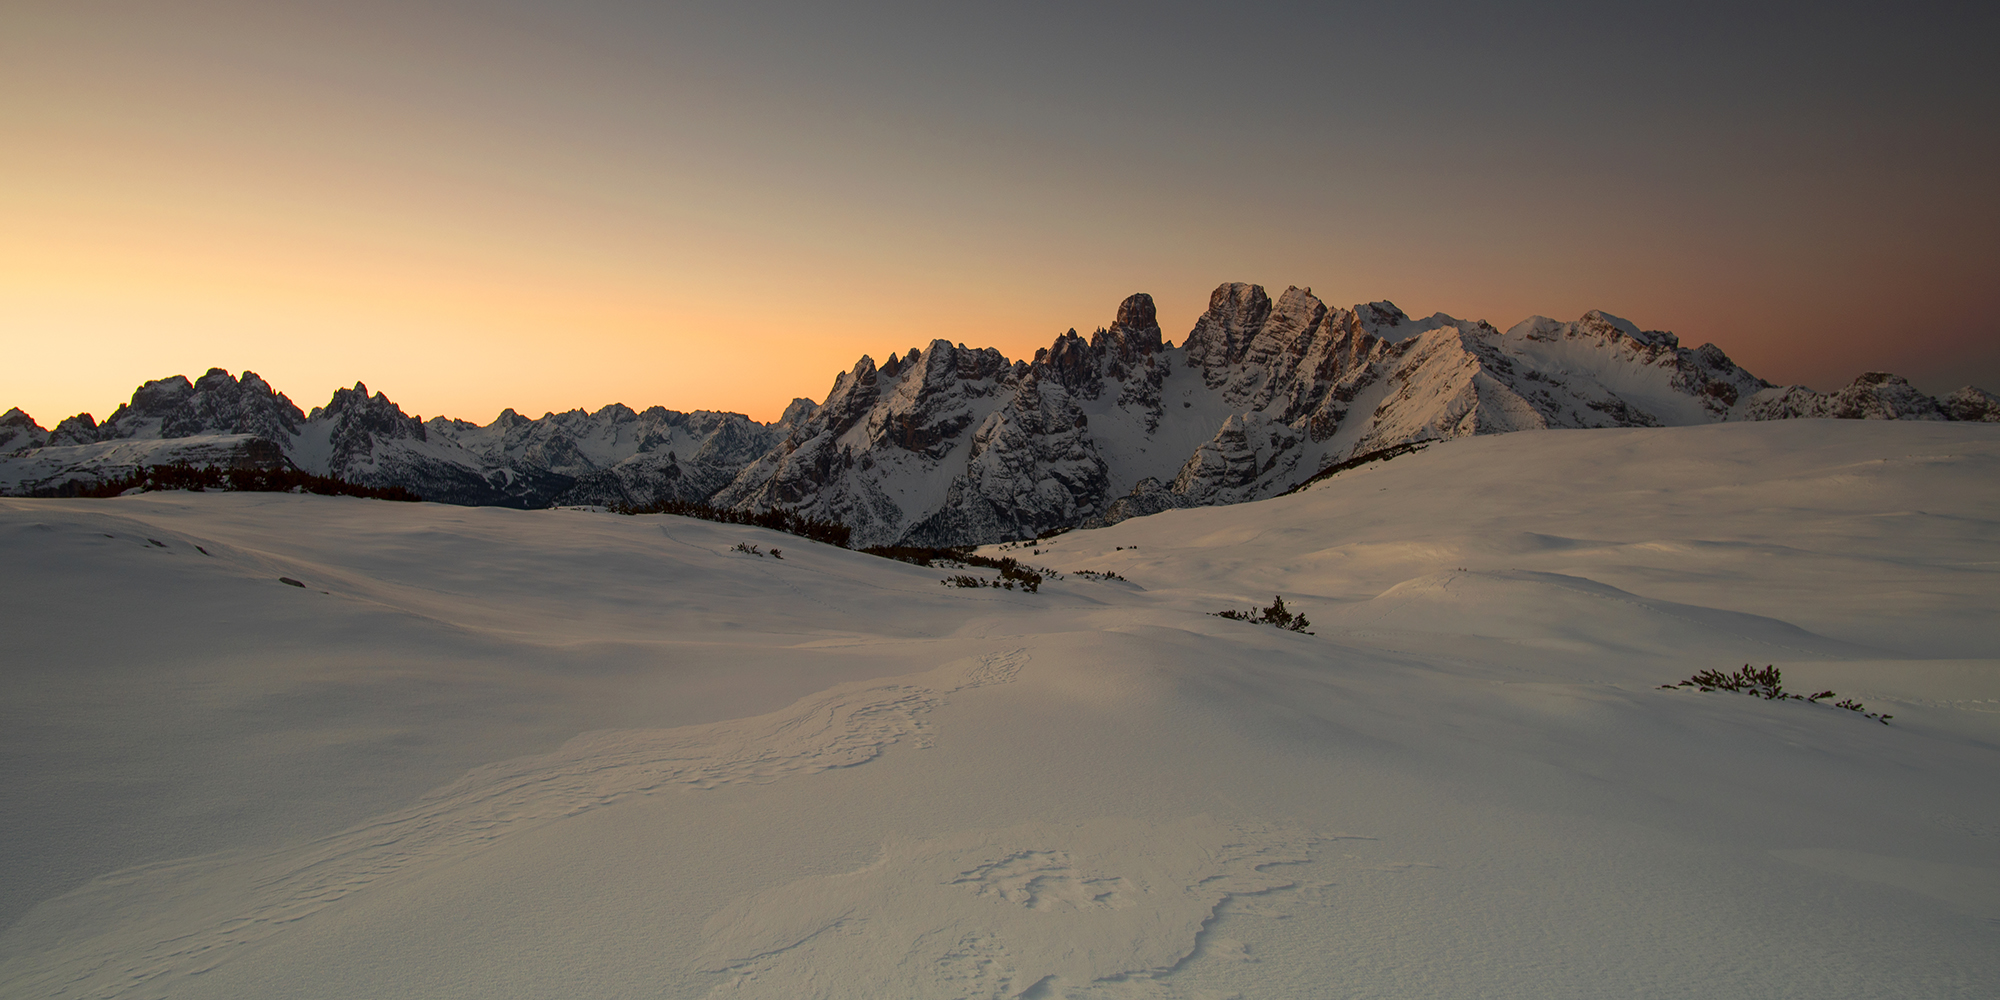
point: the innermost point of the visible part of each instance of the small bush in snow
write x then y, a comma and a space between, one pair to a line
1273, 615
1012, 573
1003, 583
1768, 684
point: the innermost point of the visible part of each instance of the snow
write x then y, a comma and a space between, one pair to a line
493, 752
54, 465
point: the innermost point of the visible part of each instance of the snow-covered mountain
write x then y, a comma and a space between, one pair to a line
615, 455
949, 445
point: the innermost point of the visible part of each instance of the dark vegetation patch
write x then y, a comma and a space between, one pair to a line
1273, 615
1380, 455
1014, 574
181, 476
789, 522
997, 583
1769, 685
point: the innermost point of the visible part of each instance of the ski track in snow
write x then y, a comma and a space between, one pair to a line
845, 727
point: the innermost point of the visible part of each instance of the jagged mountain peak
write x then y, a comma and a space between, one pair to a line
1236, 311
1137, 314
19, 432
357, 400
1973, 403
1871, 396
799, 409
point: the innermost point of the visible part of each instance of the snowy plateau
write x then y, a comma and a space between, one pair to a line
290, 746
949, 445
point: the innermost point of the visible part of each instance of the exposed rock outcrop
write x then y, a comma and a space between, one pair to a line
1973, 403
1873, 396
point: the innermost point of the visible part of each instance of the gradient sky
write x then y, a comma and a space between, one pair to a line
473, 206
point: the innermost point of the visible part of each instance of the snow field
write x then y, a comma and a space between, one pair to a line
490, 752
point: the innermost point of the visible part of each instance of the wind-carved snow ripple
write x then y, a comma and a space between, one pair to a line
1112, 906
179, 918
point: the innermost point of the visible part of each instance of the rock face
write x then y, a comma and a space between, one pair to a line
1973, 403
1873, 396
953, 445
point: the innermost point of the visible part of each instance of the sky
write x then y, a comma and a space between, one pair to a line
545, 206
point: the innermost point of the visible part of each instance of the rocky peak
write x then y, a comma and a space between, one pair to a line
854, 393
615, 413
1882, 396
152, 403
1236, 312
1872, 396
18, 431
1973, 403
223, 405
1134, 334
1072, 363
355, 409
1380, 319
1297, 313
797, 413
80, 429
360, 424
160, 395
931, 404
1612, 328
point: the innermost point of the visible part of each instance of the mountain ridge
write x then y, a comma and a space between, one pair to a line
950, 445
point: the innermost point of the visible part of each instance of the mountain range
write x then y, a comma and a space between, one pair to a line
948, 445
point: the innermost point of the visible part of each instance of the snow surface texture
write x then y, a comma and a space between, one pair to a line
948, 445
490, 752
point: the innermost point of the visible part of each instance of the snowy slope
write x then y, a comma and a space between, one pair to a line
492, 752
